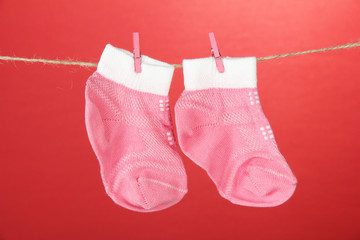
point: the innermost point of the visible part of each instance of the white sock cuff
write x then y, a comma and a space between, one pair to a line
117, 65
202, 73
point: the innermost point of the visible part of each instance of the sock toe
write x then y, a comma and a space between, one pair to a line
159, 194
148, 190
263, 183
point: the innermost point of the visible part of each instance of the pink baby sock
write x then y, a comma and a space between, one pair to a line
222, 128
129, 126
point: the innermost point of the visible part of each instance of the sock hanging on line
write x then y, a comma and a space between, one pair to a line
129, 126
222, 128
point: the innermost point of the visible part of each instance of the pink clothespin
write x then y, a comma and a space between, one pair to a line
215, 53
137, 55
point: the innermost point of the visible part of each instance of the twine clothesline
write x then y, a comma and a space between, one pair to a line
90, 64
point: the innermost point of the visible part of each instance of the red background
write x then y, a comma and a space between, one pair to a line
50, 185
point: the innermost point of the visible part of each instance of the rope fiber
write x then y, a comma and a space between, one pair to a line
90, 64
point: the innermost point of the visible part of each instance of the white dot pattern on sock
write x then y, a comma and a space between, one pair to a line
164, 105
267, 132
254, 99
170, 138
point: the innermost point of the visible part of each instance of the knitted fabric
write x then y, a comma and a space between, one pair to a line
131, 134
222, 128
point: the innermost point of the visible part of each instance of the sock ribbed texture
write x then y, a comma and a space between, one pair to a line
129, 127
222, 128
